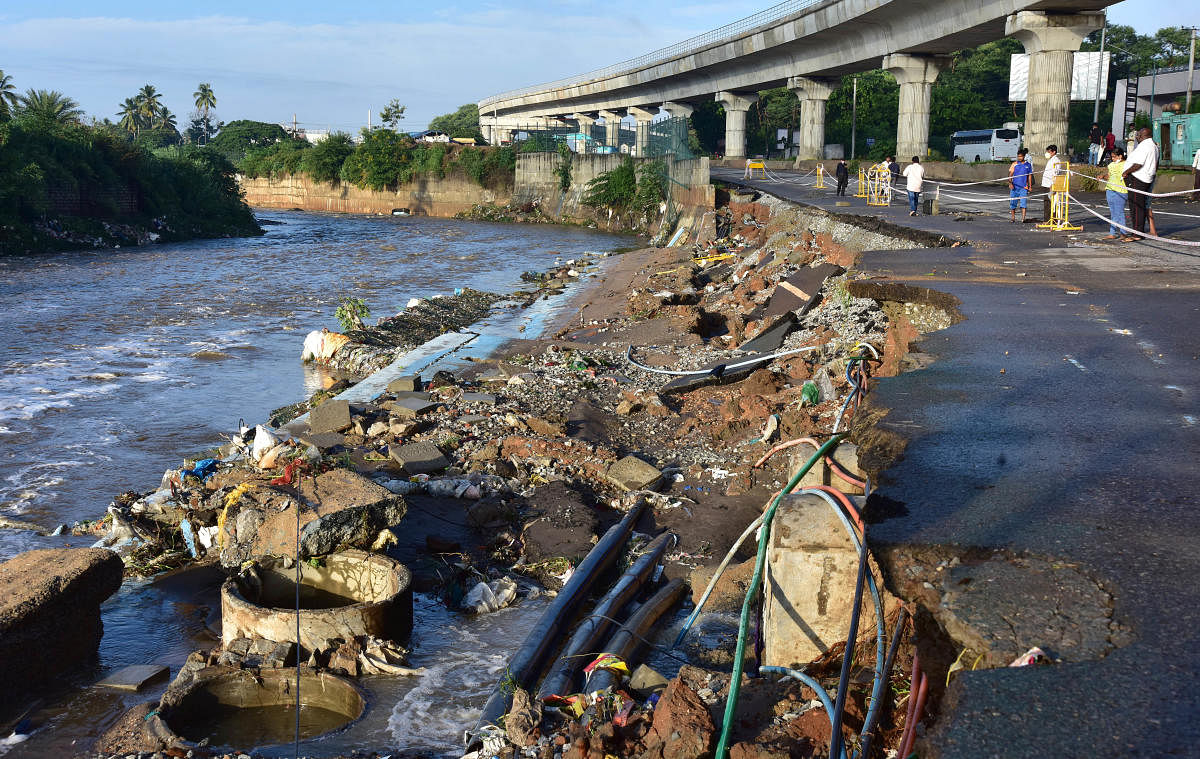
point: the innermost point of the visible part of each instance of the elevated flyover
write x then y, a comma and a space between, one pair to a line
806, 45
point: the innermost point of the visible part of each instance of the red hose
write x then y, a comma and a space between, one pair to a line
837, 468
843, 499
918, 690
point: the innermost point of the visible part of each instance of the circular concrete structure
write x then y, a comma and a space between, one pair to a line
230, 707
350, 593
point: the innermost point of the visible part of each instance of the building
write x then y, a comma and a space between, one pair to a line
1134, 96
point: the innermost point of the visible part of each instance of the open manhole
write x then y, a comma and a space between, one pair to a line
342, 595
236, 708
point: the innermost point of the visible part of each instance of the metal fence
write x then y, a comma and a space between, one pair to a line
723, 34
666, 137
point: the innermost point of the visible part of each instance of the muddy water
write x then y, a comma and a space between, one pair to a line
117, 364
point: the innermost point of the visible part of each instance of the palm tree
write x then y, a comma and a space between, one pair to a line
131, 117
206, 100
166, 120
50, 105
148, 104
8, 94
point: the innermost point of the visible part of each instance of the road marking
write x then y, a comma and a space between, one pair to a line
1191, 420
1076, 364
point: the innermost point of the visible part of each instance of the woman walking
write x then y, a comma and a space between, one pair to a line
1117, 193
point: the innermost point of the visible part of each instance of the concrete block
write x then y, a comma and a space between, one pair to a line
812, 565
633, 473
410, 407
419, 458
331, 416
644, 681
323, 440
484, 399
135, 677
846, 454
404, 384
420, 394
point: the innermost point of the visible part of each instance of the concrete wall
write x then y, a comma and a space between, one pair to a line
536, 180
423, 197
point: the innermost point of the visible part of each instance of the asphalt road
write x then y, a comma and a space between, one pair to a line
1061, 420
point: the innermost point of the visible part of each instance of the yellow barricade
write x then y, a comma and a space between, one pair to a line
1060, 203
752, 166
879, 186
861, 192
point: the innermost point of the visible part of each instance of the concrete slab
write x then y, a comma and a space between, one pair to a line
771, 339
135, 677
419, 458
482, 399
331, 416
407, 383
633, 473
323, 440
812, 566
410, 407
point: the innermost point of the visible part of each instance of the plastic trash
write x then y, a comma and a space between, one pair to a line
487, 597
264, 440
403, 487
453, 488
809, 394
189, 537
207, 537
826, 386
203, 469
1034, 655
320, 346
120, 537
272, 458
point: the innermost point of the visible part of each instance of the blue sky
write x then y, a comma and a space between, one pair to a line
329, 63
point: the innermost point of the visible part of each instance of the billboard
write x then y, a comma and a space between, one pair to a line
1090, 70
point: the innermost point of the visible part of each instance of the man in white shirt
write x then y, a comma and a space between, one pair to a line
1195, 178
1055, 167
1140, 170
915, 174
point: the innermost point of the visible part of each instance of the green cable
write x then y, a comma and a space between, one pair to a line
735, 681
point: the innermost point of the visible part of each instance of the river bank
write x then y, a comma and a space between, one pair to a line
539, 446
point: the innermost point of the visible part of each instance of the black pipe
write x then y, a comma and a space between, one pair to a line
563, 675
626, 641
529, 660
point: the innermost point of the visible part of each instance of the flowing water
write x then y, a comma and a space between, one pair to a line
117, 364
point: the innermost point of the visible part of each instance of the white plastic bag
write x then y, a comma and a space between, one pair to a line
487, 597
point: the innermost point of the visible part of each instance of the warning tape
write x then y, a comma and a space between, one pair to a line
1130, 230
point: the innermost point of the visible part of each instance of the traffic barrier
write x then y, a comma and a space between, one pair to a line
1060, 206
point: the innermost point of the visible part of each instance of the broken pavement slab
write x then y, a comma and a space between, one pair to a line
410, 407
135, 677
331, 416
633, 474
801, 291
407, 383
484, 399
419, 458
323, 441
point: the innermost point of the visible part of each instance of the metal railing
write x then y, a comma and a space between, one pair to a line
722, 34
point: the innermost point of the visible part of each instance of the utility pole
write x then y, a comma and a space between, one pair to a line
294, 126
1187, 106
854, 119
368, 119
1100, 83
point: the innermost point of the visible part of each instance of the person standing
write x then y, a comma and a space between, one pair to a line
1054, 169
915, 174
1096, 142
1195, 198
1139, 174
842, 174
1110, 142
1117, 193
1020, 182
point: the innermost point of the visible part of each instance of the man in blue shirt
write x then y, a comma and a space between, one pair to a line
1020, 181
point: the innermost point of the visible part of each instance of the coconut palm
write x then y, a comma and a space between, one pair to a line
131, 117
50, 105
166, 120
148, 104
8, 94
206, 100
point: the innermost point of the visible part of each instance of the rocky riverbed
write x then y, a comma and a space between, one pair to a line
503, 475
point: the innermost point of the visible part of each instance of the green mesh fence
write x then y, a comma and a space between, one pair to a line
662, 138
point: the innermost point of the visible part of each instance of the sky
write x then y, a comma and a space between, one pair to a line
328, 63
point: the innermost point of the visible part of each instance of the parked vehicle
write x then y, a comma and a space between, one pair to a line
975, 145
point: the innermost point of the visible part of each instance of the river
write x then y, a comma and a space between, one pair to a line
117, 364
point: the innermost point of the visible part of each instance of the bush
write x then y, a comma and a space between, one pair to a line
613, 189
280, 159
324, 162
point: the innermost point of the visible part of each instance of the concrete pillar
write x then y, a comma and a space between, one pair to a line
612, 128
813, 95
735, 121
1051, 40
586, 123
487, 126
676, 110
643, 118
916, 75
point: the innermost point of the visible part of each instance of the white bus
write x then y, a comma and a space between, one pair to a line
975, 145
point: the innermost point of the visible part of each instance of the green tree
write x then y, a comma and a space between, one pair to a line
8, 95
383, 159
392, 114
131, 117
323, 163
236, 138
149, 104
49, 105
206, 100
878, 107
462, 123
